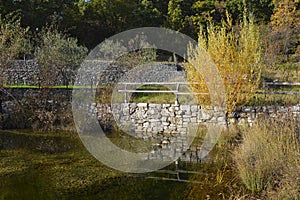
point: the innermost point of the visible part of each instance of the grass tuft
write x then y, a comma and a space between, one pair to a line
268, 158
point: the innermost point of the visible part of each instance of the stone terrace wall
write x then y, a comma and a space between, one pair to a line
27, 72
250, 114
22, 72
147, 120
152, 119
169, 123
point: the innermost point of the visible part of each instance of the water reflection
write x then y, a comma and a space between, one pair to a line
74, 174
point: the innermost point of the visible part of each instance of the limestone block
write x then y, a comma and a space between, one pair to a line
194, 108
246, 109
154, 120
164, 119
146, 124
187, 113
194, 114
185, 108
165, 113
166, 105
172, 114
139, 121
171, 109
186, 119
152, 105
179, 113
165, 124
151, 111
142, 105
214, 119
157, 116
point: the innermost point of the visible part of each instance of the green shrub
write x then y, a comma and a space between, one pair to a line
58, 55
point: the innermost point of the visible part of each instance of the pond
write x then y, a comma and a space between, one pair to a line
33, 185
32, 167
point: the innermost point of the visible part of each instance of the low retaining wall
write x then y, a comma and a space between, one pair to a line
151, 119
27, 72
168, 124
148, 120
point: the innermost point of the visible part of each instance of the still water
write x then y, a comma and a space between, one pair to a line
34, 186
41, 166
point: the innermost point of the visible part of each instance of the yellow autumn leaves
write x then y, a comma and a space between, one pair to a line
236, 51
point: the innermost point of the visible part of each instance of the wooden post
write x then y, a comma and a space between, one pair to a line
176, 94
125, 88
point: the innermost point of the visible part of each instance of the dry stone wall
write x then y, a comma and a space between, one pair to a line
169, 124
27, 72
152, 119
22, 72
149, 119
166, 123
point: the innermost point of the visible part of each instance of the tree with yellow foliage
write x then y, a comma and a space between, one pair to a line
285, 24
236, 51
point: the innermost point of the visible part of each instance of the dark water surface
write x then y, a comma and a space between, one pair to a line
37, 166
33, 185
46, 166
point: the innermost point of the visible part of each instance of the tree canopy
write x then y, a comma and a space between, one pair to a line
91, 21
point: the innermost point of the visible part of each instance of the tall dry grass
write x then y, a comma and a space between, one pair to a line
268, 159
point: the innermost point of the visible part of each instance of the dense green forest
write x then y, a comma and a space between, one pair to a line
91, 21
